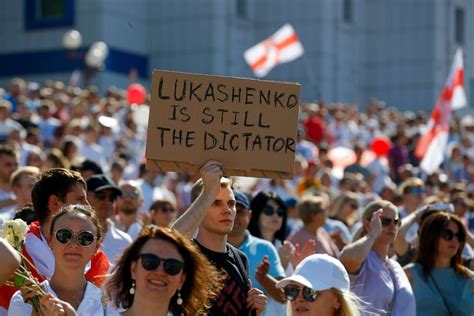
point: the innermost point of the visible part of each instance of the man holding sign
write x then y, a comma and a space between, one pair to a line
213, 210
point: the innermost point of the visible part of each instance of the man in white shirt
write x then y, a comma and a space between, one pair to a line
128, 203
102, 194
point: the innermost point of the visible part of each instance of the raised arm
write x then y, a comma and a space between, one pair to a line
190, 220
9, 262
401, 244
354, 254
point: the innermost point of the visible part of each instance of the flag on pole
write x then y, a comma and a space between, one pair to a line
432, 146
282, 47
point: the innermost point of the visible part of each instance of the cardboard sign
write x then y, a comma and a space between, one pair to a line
248, 125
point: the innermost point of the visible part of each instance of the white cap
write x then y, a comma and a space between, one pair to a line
319, 272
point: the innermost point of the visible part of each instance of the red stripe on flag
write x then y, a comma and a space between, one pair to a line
459, 81
261, 61
287, 41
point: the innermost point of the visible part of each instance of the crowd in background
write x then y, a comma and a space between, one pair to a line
404, 238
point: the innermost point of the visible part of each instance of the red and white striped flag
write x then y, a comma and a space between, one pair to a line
432, 146
282, 47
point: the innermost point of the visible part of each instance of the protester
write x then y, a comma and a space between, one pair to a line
268, 219
213, 209
162, 273
264, 263
375, 278
8, 165
54, 189
10, 261
128, 203
102, 194
75, 235
441, 284
319, 286
163, 213
313, 212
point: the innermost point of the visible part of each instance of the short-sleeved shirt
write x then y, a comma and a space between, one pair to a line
375, 284
232, 299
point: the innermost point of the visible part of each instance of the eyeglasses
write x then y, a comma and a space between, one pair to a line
292, 291
102, 196
387, 221
84, 238
151, 262
448, 235
269, 211
130, 195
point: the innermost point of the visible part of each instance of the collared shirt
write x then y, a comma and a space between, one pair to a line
90, 305
115, 242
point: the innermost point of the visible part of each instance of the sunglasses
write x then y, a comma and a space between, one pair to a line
292, 291
387, 221
84, 238
102, 196
269, 211
166, 209
151, 262
418, 191
448, 235
130, 195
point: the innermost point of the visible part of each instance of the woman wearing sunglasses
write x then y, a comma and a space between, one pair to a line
163, 213
268, 219
442, 286
75, 238
162, 273
319, 287
375, 278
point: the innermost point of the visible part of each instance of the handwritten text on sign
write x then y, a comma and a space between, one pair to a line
246, 124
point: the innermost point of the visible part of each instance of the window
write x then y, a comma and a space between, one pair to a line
347, 11
459, 27
48, 13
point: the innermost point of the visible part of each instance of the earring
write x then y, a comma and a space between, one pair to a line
179, 300
132, 289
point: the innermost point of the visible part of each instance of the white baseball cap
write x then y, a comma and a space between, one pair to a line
319, 272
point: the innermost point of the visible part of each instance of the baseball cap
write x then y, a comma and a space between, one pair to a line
101, 182
291, 201
319, 272
241, 198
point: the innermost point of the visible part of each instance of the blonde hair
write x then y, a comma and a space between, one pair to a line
340, 200
369, 210
309, 206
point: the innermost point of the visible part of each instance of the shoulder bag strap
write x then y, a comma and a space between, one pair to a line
441, 294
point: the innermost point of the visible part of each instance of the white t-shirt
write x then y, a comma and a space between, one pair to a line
114, 243
90, 305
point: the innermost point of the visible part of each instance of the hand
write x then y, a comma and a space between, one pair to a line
211, 174
286, 253
262, 269
145, 218
256, 300
336, 236
301, 253
53, 306
376, 224
29, 290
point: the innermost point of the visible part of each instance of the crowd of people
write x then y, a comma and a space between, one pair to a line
106, 236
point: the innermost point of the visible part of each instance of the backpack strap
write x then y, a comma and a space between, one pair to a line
242, 269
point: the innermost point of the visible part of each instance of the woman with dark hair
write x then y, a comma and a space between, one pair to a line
162, 272
442, 285
268, 221
75, 237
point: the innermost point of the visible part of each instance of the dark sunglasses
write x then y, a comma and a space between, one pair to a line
418, 191
387, 221
102, 196
291, 292
166, 209
269, 211
84, 238
448, 235
151, 262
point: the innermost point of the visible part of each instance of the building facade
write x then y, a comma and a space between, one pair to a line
399, 51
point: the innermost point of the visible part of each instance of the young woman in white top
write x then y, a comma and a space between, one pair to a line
75, 238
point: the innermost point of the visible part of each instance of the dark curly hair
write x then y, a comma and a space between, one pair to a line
201, 286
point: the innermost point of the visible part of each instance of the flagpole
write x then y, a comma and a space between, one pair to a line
311, 76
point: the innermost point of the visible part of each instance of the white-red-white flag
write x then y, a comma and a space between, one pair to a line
432, 146
282, 47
